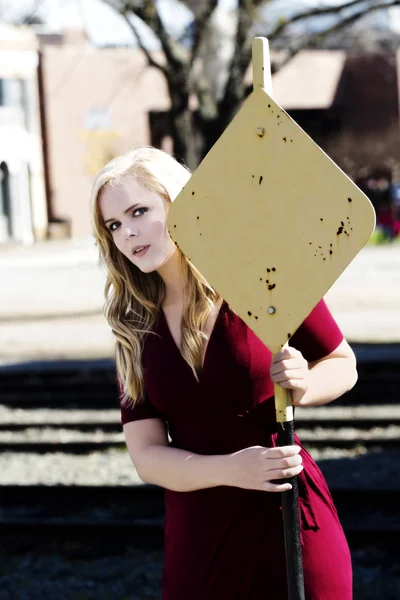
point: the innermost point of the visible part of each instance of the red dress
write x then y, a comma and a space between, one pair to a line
226, 543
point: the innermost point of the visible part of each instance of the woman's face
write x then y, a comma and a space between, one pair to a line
137, 220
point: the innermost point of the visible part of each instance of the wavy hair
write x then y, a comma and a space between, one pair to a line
133, 299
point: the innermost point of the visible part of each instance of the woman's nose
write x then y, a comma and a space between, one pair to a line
128, 232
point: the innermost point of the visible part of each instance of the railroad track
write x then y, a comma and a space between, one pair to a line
92, 385
368, 428
73, 409
122, 516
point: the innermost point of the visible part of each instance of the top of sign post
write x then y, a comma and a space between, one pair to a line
268, 218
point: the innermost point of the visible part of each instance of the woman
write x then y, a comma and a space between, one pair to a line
188, 366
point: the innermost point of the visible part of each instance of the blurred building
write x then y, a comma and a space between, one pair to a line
331, 92
101, 101
97, 103
23, 210
349, 104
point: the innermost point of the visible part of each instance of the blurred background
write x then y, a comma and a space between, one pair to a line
82, 81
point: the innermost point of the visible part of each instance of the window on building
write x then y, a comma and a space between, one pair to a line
4, 191
12, 92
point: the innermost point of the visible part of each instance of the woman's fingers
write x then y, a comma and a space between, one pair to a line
275, 487
284, 473
284, 463
282, 451
292, 384
287, 365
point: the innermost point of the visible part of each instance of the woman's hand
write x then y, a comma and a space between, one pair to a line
289, 369
256, 467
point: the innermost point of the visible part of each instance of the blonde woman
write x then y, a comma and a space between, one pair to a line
189, 366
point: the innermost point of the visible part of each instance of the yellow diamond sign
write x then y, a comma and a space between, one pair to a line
270, 220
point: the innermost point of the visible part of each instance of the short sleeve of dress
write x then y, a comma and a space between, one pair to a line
318, 335
143, 409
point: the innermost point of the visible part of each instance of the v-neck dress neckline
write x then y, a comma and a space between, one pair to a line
170, 338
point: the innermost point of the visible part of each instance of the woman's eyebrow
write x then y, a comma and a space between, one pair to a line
125, 211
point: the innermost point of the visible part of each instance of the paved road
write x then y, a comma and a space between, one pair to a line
51, 298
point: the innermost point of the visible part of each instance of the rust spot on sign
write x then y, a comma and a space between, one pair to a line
260, 180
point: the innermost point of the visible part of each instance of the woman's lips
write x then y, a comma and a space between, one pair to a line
141, 252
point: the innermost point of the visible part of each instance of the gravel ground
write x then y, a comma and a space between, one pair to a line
53, 415
60, 436
64, 435
112, 467
136, 575
71, 573
342, 468
349, 433
69, 416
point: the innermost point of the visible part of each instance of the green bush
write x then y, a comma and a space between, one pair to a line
379, 237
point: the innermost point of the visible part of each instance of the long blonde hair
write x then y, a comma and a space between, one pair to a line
132, 298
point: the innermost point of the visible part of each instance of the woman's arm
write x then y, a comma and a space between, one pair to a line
318, 382
171, 468
182, 471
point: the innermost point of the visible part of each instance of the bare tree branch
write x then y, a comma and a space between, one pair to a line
201, 21
146, 10
183, 78
316, 38
150, 59
242, 55
208, 109
316, 12
32, 17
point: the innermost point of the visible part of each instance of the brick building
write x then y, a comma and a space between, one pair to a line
97, 104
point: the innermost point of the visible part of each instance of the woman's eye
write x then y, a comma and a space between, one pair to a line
113, 226
139, 210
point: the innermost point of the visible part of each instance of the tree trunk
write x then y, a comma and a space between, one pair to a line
182, 122
235, 92
212, 129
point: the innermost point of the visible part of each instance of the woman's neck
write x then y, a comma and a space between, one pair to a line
174, 280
